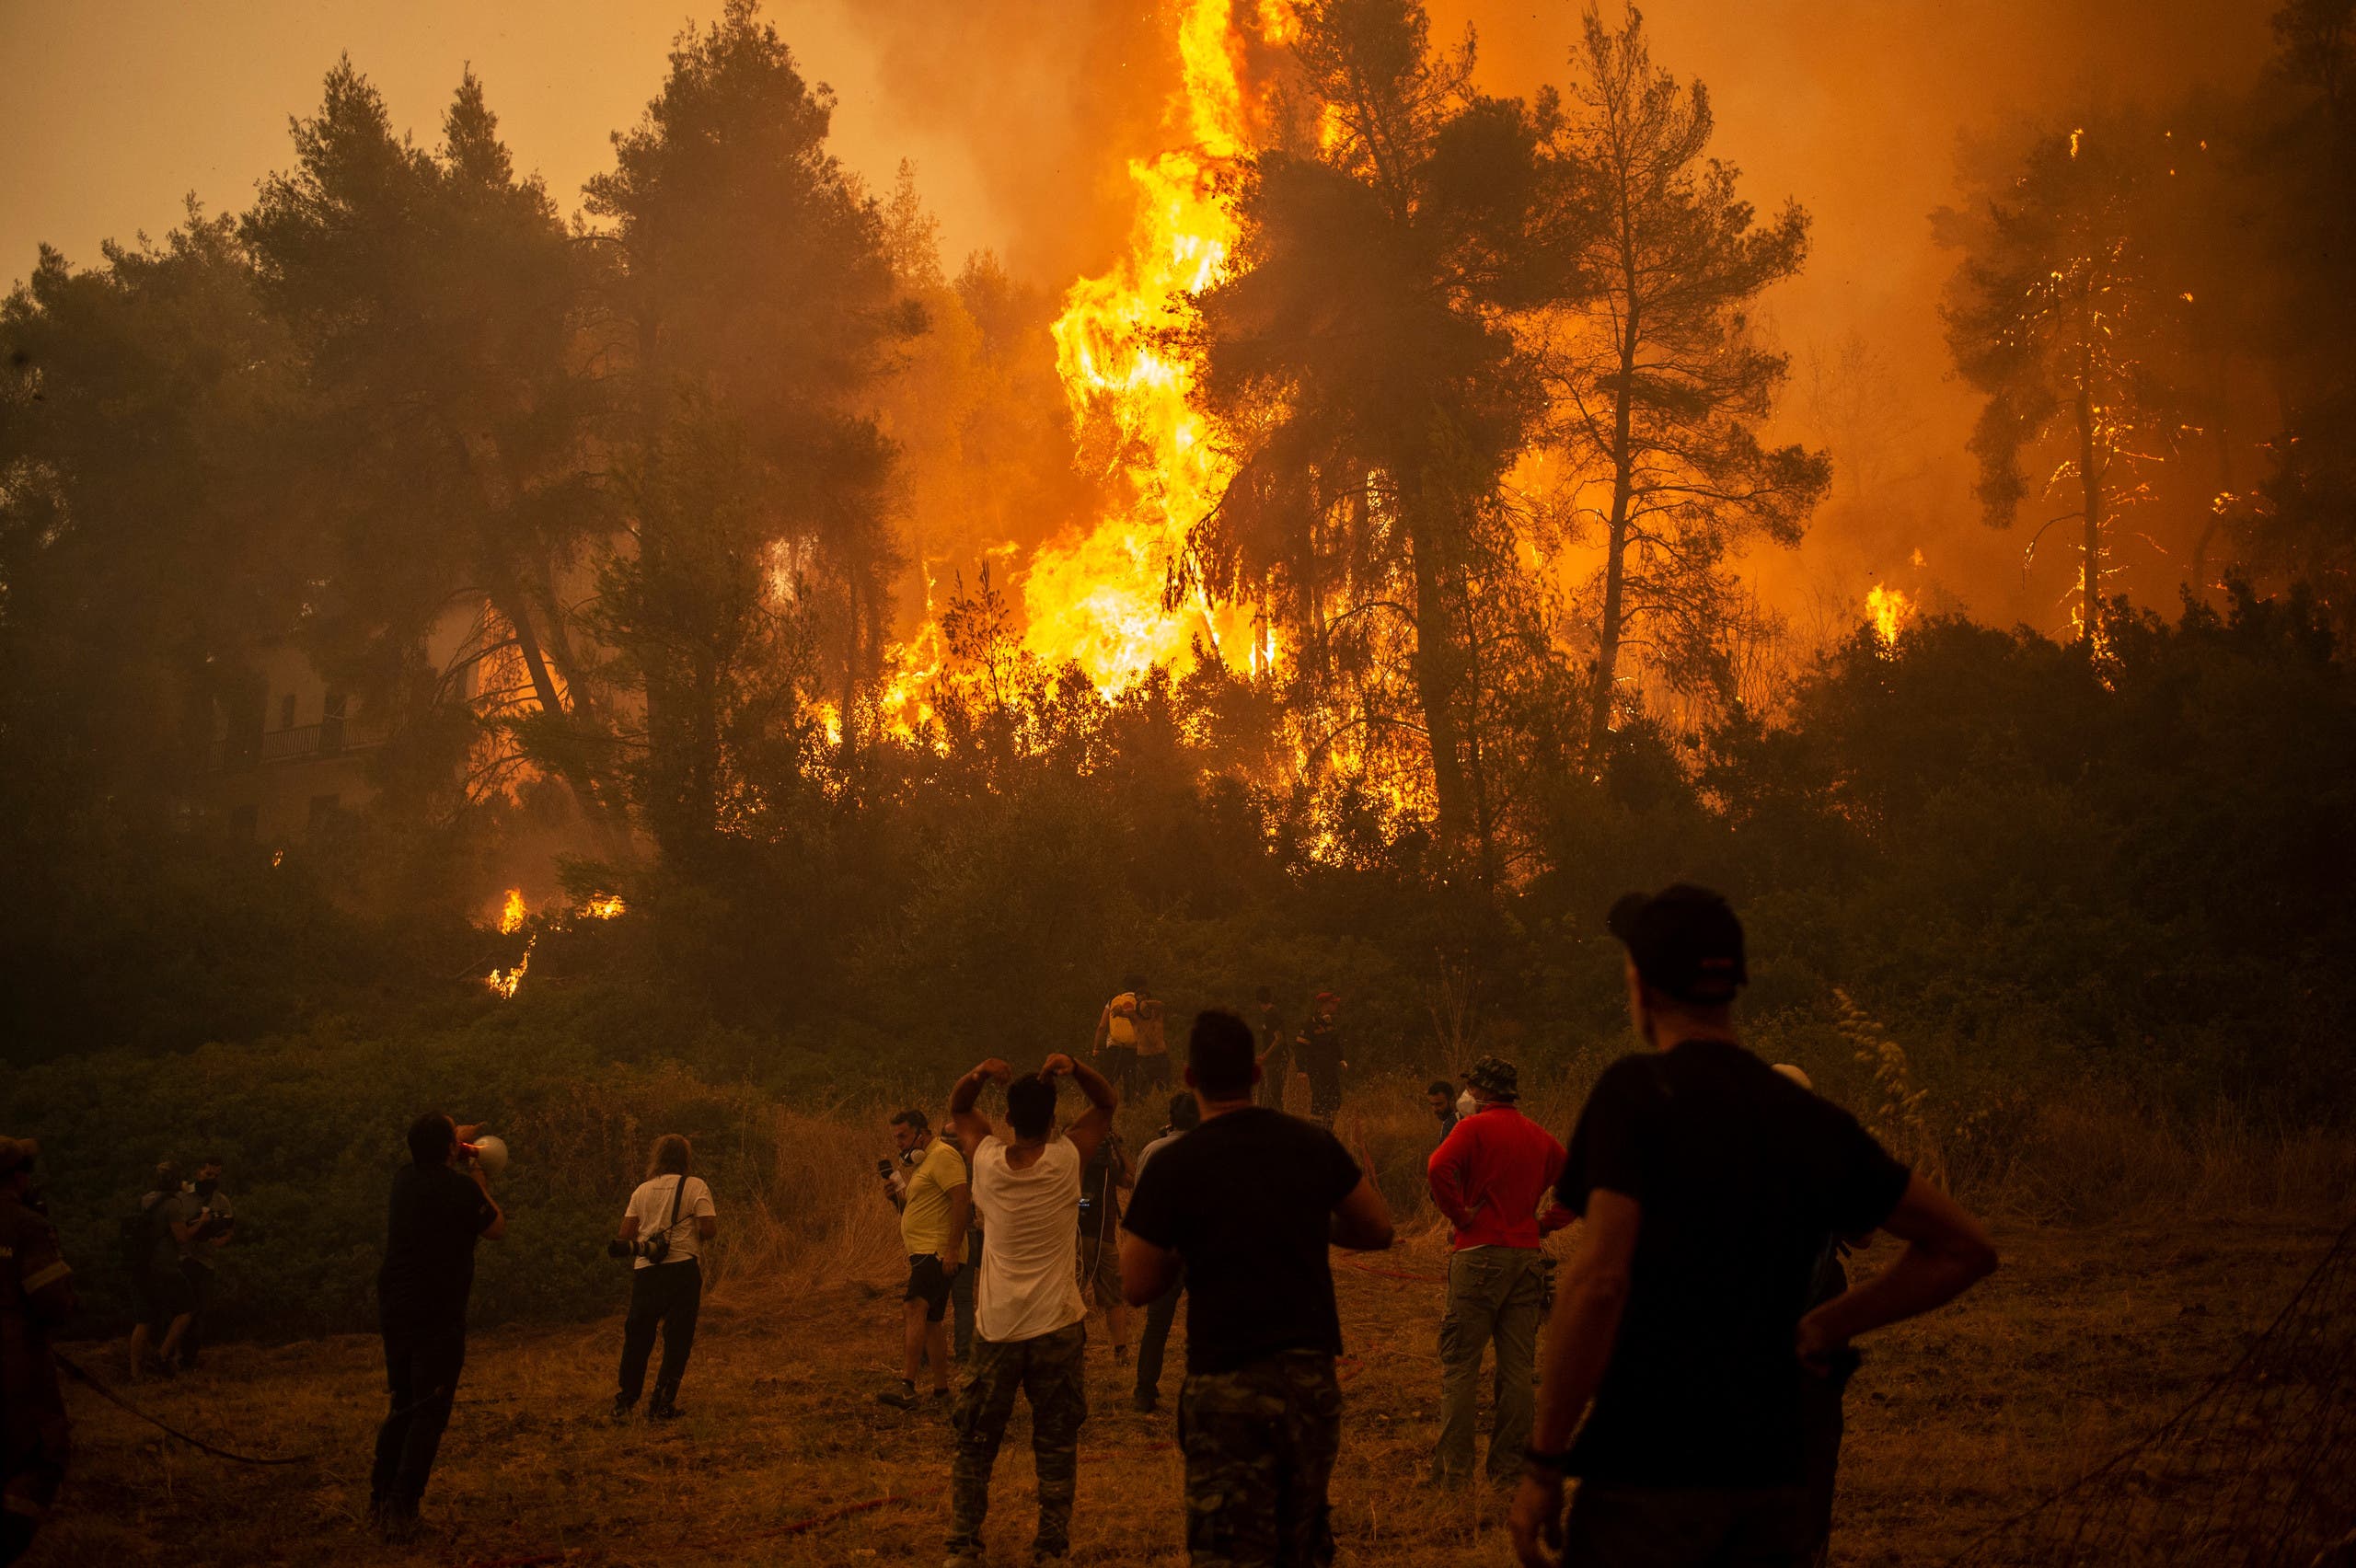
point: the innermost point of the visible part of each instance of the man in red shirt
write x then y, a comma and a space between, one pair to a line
1489, 1177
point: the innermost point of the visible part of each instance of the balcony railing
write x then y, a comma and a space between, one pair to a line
302, 742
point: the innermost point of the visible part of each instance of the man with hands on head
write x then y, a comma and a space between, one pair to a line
1709, 1184
1029, 1322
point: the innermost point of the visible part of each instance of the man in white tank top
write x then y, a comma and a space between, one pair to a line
1030, 1323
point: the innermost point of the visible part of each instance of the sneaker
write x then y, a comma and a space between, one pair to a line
663, 1412
941, 1397
898, 1398
622, 1408
1145, 1401
1049, 1551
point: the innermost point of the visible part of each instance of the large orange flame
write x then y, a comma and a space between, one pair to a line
1098, 597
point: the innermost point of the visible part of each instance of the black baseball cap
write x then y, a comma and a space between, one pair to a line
1685, 942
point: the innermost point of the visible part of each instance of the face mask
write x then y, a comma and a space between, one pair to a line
204, 1189
1466, 1104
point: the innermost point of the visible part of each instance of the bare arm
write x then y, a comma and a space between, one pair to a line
1104, 1030
1087, 1132
1947, 1253
628, 1231
1362, 1220
707, 1227
1147, 1271
971, 1124
1580, 1337
960, 1218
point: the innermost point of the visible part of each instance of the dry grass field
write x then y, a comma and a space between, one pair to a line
2088, 1335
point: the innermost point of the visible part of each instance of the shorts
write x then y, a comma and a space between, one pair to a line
927, 1283
1099, 1268
1121, 1066
160, 1293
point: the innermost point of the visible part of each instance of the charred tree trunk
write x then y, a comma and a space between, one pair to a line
2090, 491
1615, 557
1435, 669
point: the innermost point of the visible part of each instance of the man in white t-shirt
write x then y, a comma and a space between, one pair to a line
1031, 1325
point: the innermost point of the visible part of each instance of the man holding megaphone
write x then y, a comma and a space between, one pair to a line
436, 1216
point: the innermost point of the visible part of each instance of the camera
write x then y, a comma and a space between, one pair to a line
653, 1248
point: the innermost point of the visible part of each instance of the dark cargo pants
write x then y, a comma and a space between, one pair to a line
1050, 1371
1260, 1444
1494, 1294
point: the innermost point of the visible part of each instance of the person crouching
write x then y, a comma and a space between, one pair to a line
669, 1219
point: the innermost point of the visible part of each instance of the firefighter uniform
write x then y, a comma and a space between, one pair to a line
36, 1295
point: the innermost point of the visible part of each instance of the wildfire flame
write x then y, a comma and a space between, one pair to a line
1890, 609
605, 907
1098, 599
511, 916
502, 981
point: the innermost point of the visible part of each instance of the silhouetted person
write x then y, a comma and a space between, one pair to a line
36, 1298
435, 1218
1163, 1311
1316, 1052
1246, 1206
1709, 1184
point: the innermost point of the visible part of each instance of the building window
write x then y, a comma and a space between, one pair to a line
286, 711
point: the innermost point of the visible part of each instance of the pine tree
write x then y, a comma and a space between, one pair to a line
1660, 382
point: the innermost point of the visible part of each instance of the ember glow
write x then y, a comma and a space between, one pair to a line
1888, 609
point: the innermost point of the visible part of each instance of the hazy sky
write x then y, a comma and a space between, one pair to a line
1022, 113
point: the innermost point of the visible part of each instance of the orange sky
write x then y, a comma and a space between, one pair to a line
1020, 113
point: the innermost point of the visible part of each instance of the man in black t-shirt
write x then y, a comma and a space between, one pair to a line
1316, 1052
1710, 1185
1246, 1204
435, 1218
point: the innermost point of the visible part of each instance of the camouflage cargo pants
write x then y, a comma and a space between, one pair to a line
1050, 1371
1260, 1443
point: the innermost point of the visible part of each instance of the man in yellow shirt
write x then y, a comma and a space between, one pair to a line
936, 1204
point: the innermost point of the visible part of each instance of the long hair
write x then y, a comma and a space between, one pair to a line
671, 1157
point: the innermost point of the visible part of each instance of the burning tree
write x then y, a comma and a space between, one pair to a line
1660, 382
1361, 375
2053, 314
757, 304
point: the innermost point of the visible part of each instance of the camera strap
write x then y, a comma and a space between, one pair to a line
677, 1190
